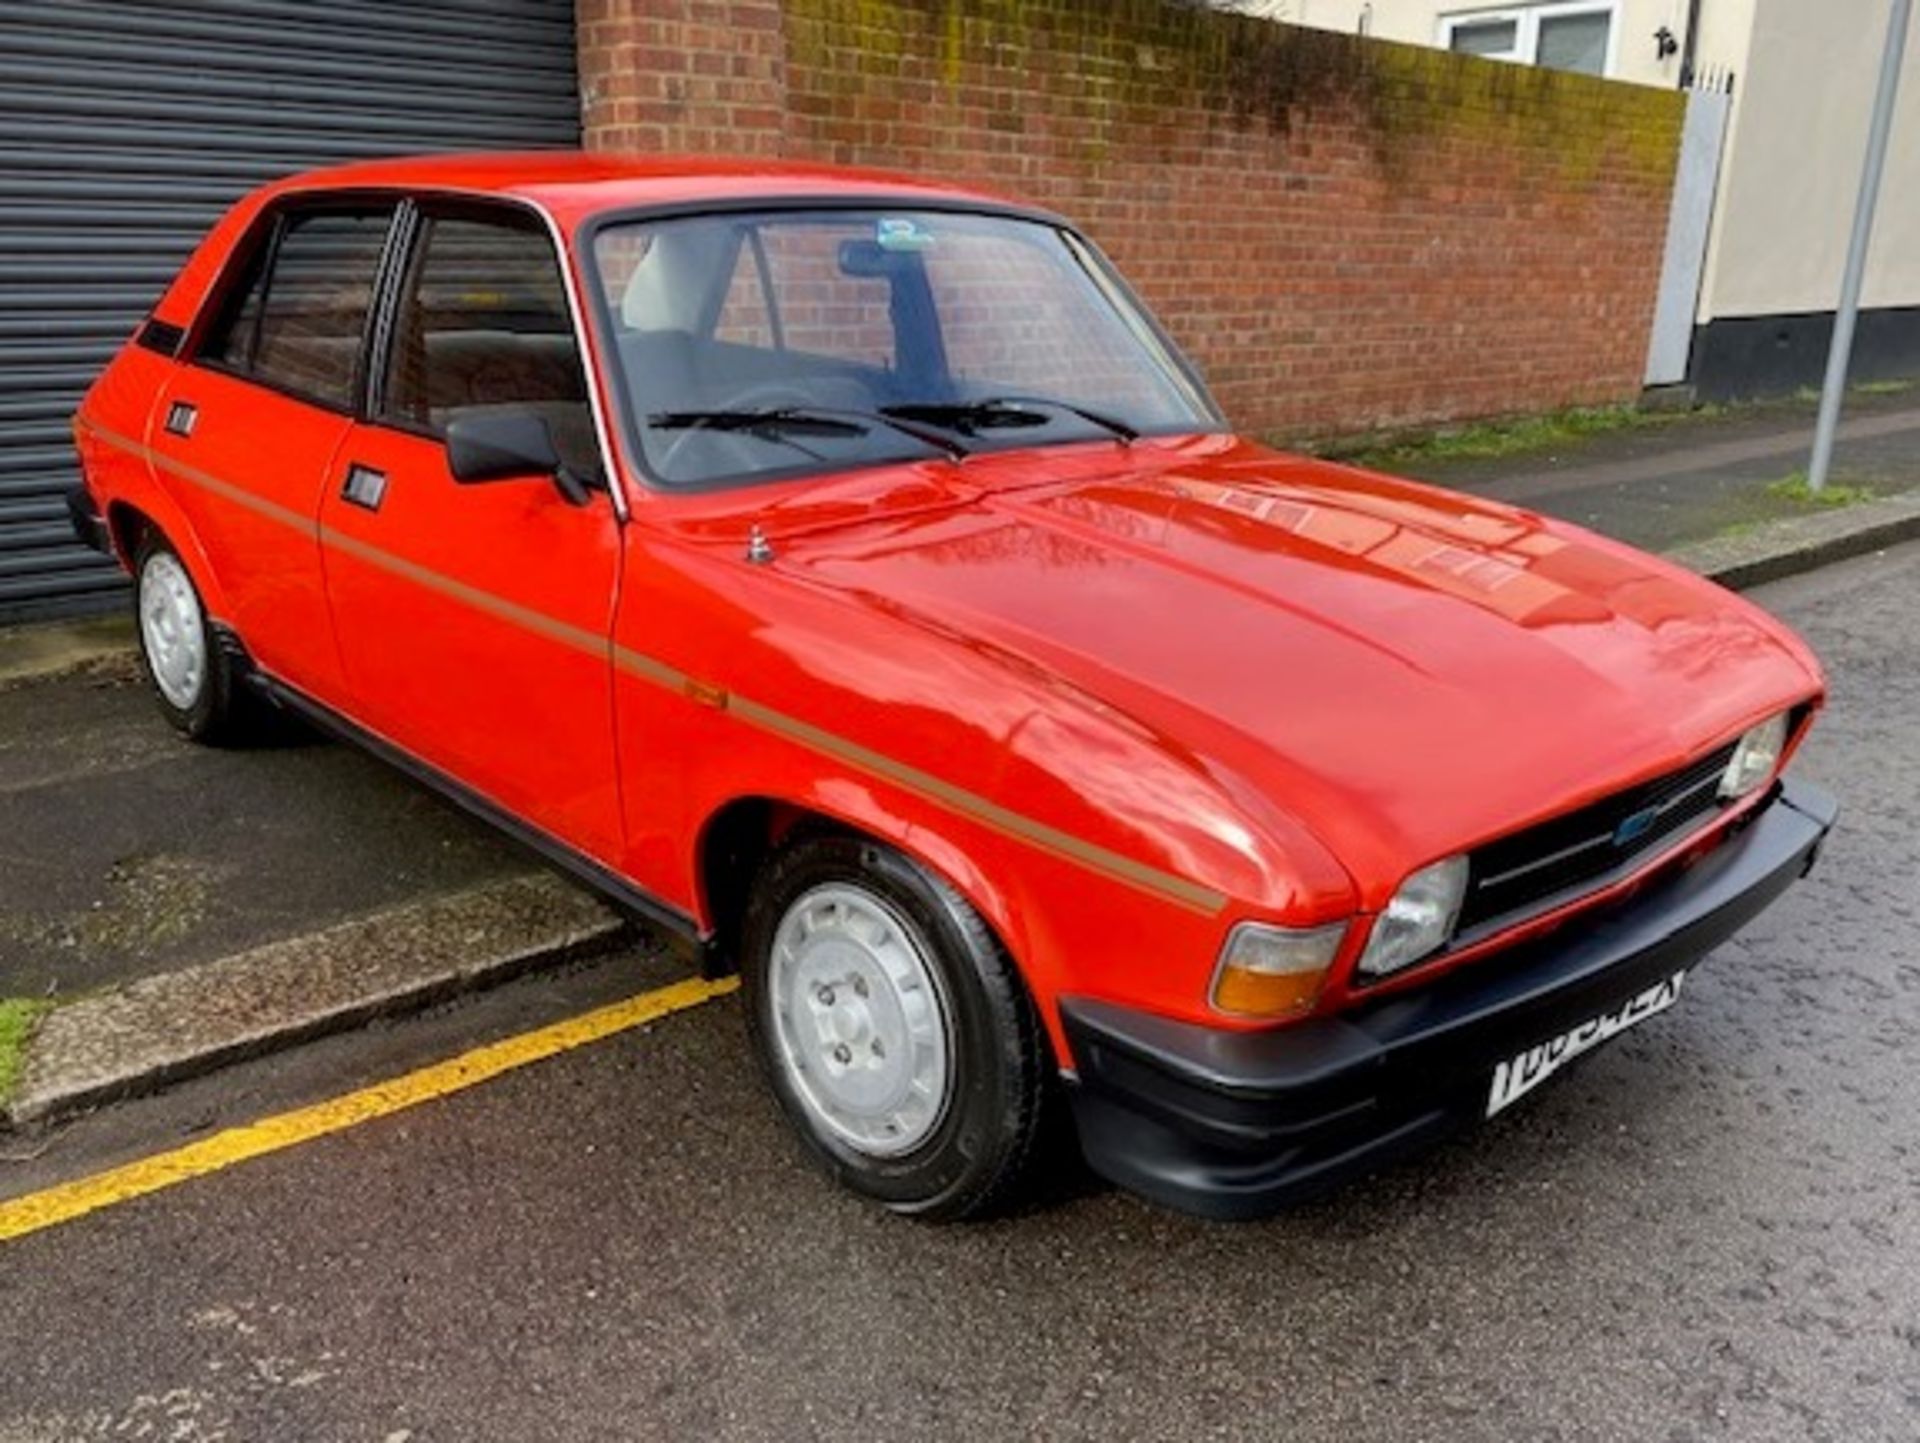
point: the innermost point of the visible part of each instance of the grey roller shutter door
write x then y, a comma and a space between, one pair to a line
127, 126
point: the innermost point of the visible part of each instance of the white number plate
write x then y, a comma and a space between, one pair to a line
1519, 1075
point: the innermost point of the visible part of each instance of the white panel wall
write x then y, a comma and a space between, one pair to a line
1723, 26
1793, 165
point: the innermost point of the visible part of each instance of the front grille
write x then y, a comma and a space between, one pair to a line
1533, 869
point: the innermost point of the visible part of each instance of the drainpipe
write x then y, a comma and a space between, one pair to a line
1691, 52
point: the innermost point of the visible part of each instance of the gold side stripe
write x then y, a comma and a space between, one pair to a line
1139, 875
1037, 834
659, 673
240, 496
522, 616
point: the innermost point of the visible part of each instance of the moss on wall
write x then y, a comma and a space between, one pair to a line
1351, 234
1117, 68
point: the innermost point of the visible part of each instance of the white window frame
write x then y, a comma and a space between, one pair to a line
1526, 22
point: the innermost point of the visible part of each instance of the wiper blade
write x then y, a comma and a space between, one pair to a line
995, 412
1101, 419
776, 422
780, 422
885, 417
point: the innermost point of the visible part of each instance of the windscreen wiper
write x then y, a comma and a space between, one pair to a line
998, 412
782, 423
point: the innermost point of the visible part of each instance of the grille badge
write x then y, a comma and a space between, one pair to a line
1636, 826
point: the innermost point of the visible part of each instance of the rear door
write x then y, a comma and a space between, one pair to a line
252, 422
474, 620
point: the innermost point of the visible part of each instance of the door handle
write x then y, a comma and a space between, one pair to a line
364, 487
181, 416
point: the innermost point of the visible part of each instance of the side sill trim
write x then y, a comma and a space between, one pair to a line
680, 927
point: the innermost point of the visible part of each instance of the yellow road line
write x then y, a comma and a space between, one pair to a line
70, 1200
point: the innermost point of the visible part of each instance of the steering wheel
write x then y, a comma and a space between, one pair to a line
767, 396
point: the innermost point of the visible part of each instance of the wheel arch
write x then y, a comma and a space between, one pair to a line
129, 526
739, 835
130, 522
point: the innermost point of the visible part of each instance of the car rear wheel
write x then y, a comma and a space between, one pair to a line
193, 677
893, 1028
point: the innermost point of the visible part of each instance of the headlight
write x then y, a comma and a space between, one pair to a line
1418, 920
1755, 759
1274, 971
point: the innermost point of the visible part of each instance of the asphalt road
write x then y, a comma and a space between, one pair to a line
1709, 1229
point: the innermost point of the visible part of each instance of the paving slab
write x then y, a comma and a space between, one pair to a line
1751, 556
162, 1028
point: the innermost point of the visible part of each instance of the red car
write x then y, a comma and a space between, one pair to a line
847, 574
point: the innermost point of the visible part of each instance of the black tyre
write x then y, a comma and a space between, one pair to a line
893, 1028
194, 680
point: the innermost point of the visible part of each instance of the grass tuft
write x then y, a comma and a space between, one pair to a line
1832, 496
1523, 435
1515, 436
18, 1017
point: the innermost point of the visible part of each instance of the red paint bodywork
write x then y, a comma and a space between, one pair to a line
1285, 682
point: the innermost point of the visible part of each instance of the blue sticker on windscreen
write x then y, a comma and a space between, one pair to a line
902, 234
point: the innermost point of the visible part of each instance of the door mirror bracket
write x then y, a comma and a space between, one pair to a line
511, 446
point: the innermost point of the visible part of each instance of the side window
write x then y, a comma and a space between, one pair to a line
229, 341
484, 326
297, 318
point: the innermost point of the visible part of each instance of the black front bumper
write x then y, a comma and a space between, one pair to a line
1238, 1124
88, 524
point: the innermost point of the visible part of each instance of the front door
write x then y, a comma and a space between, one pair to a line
473, 620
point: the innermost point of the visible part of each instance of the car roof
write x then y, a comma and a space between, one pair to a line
573, 185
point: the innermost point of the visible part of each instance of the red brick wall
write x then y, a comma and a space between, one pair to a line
1346, 234
692, 75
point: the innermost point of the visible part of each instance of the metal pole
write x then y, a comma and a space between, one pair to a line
1841, 355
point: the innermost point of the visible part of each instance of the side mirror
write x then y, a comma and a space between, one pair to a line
509, 446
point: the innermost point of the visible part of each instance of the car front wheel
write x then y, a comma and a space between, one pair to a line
194, 679
893, 1028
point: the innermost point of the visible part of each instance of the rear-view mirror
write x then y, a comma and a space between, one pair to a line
869, 260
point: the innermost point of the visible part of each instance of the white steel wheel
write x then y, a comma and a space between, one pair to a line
861, 1023
893, 1028
173, 629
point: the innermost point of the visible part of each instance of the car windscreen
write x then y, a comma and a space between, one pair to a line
768, 344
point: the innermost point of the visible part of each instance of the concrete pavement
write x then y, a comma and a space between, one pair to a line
1703, 1231
1686, 479
156, 1030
